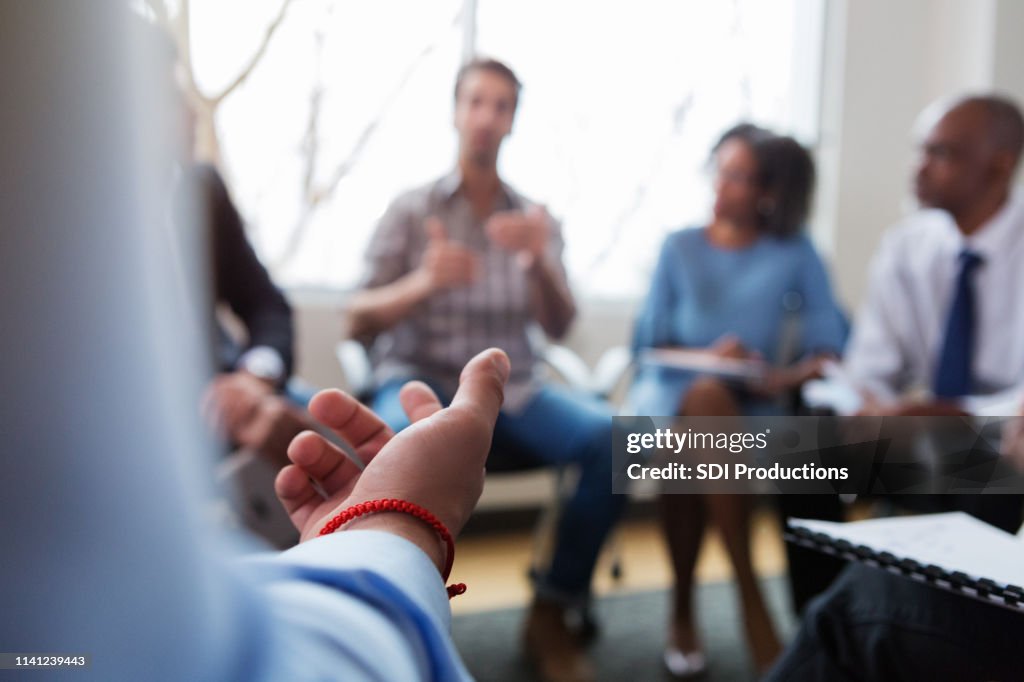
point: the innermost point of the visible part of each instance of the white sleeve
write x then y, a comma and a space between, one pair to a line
1003, 404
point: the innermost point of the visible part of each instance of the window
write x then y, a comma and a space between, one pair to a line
620, 106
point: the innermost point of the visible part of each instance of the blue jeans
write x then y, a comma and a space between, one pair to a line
873, 625
557, 427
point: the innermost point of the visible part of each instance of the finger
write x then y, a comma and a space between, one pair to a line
236, 413
457, 257
312, 453
457, 251
539, 220
505, 240
418, 400
499, 230
296, 493
436, 231
352, 420
463, 268
482, 384
294, 488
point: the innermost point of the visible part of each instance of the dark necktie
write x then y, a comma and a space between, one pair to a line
953, 374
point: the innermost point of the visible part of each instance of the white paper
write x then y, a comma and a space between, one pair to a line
954, 541
704, 363
834, 391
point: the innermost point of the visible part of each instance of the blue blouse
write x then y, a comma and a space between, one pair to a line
701, 292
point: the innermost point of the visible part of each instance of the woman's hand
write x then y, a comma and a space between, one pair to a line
730, 347
778, 380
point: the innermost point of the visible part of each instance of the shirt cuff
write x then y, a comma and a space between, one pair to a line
1006, 403
264, 362
390, 556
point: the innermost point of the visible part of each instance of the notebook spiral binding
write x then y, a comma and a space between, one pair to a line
988, 591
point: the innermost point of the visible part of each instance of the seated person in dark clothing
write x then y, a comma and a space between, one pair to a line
244, 400
874, 625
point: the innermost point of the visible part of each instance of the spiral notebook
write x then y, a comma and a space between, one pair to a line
952, 551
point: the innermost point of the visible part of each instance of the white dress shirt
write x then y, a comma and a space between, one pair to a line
899, 332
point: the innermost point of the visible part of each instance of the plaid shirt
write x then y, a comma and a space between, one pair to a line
453, 325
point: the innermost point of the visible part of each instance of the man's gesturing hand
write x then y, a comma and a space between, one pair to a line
437, 463
446, 264
523, 232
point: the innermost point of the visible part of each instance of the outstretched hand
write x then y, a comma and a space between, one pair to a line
437, 463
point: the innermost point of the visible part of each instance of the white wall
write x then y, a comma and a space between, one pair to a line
885, 62
1008, 64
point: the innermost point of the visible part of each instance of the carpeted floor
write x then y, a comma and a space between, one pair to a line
633, 633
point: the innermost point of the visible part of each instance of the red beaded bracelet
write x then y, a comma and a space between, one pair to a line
373, 506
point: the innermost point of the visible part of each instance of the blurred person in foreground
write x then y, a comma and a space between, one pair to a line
731, 289
108, 552
248, 401
465, 263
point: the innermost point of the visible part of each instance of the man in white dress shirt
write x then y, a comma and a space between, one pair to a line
963, 181
941, 333
942, 329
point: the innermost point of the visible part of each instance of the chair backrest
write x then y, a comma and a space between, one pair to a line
612, 367
356, 367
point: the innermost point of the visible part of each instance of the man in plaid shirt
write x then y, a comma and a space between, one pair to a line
466, 263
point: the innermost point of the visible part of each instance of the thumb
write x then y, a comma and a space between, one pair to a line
418, 400
436, 231
482, 385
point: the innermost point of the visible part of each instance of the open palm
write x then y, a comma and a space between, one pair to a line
438, 462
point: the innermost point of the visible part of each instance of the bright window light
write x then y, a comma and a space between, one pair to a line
620, 106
